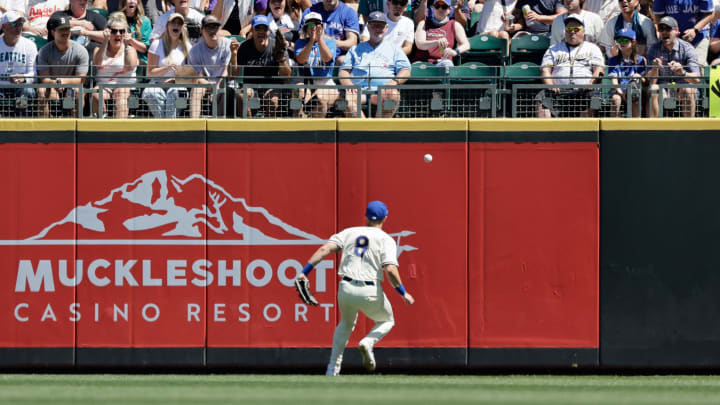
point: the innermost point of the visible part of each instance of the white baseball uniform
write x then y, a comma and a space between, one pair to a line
365, 250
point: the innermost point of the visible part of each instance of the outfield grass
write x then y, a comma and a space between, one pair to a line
351, 389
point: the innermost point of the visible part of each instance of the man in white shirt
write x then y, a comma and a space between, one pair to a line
367, 254
17, 61
606, 9
401, 29
593, 23
572, 61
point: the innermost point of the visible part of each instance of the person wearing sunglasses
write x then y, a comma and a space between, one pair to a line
627, 69
17, 61
423, 9
573, 61
316, 53
693, 18
593, 24
341, 23
672, 60
401, 29
440, 39
116, 62
630, 18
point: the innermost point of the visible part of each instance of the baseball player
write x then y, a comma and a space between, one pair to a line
367, 254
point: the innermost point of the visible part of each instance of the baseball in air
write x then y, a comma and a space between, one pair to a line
428, 158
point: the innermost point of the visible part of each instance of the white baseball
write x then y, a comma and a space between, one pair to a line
428, 158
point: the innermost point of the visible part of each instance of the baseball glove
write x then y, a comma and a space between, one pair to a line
303, 289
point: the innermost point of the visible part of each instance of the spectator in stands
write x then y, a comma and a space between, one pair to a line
341, 23
38, 14
165, 56
606, 9
693, 18
535, 16
439, 39
234, 15
116, 62
593, 23
630, 18
262, 61
17, 61
374, 63
627, 68
209, 58
140, 28
316, 52
280, 19
193, 21
496, 17
714, 51
401, 29
423, 10
572, 61
365, 7
61, 61
86, 26
672, 60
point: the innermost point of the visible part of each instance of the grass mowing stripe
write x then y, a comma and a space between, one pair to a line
350, 389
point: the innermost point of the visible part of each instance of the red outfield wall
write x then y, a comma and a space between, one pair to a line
175, 243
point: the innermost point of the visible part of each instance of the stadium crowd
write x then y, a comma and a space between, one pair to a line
333, 45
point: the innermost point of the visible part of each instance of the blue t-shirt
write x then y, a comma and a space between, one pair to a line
371, 67
314, 63
624, 70
337, 23
715, 29
686, 12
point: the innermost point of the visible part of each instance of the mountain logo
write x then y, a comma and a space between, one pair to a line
168, 210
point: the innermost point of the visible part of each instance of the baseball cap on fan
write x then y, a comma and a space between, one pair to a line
10, 17
376, 210
576, 17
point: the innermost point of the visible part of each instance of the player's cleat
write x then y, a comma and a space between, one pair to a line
332, 371
368, 357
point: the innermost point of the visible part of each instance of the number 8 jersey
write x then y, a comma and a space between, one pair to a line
365, 250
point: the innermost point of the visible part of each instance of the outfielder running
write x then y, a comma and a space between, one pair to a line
367, 253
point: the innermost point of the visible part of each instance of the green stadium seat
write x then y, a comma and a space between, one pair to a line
521, 72
100, 11
38, 40
529, 48
472, 72
487, 49
426, 72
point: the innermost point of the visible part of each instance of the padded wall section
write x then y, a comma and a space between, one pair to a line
37, 173
142, 223
533, 243
659, 261
383, 160
275, 184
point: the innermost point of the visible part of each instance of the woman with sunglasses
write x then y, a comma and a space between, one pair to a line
627, 69
140, 27
438, 38
116, 62
164, 57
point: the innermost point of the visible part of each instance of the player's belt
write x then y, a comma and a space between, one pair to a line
346, 278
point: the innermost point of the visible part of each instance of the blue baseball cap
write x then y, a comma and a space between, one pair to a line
625, 33
376, 210
260, 20
377, 16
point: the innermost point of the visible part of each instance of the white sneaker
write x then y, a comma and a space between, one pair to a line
368, 357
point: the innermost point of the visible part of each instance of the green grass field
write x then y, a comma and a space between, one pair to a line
351, 389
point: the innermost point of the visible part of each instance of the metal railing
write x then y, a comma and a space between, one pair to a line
421, 96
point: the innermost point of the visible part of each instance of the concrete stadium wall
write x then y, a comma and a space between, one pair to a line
173, 243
